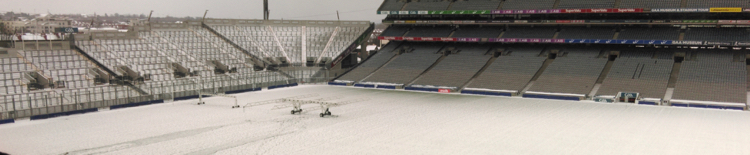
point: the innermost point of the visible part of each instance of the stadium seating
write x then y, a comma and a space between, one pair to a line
645, 33
457, 68
392, 5
717, 34
650, 4
433, 5
408, 66
437, 31
529, 32
13, 71
200, 46
717, 3
638, 71
477, 32
712, 77
475, 4
372, 63
586, 33
511, 71
266, 40
63, 65
427, 5
395, 31
528, 4
573, 72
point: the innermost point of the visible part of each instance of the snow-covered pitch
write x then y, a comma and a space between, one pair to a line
391, 122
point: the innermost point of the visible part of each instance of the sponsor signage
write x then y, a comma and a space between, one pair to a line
549, 11
570, 41
444, 90
687, 42
682, 10
725, 10
717, 43
447, 39
700, 21
741, 43
66, 30
743, 22
467, 39
746, 10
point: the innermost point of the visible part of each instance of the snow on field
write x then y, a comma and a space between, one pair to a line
392, 122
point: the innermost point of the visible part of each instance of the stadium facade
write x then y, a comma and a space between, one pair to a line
154, 62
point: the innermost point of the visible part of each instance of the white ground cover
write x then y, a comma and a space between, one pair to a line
392, 122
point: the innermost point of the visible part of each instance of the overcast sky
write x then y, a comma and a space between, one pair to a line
244, 9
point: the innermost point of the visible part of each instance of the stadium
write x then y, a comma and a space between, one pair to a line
447, 77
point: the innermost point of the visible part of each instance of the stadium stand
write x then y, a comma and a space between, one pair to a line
717, 3
638, 71
457, 68
575, 71
392, 5
62, 65
427, 5
372, 63
14, 69
436, 5
477, 32
267, 40
529, 32
511, 71
528, 4
155, 53
114, 53
712, 77
408, 66
596, 32
396, 30
437, 31
718, 34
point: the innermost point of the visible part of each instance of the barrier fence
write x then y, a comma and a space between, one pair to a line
53, 103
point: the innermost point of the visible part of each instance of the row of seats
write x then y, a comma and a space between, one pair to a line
717, 3
511, 71
372, 63
170, 45
575, 72
63, 65
650, 3
713, 76
267, 41
475, 4
638, 73
407, 66
431, 5
457, 68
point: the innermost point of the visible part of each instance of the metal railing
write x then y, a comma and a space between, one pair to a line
50, 102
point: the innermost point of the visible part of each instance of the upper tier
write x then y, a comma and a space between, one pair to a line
558, 6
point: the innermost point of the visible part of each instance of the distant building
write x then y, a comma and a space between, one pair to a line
40, 24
